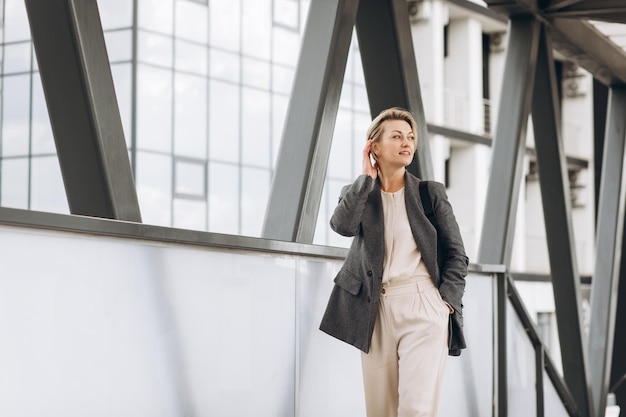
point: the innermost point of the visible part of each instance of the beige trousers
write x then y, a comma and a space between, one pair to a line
403, 371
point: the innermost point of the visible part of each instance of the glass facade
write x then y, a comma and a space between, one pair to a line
203, 89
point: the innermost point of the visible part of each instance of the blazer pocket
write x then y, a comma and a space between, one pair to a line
348, 281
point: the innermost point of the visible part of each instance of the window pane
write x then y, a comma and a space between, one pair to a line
154, 187
122, 80
190, 178
191, 58
224, 65
47, 189
223, 198
154, 109
224, 122
16, 27
286, 13
14, 177
282, 79
225, 24
361, 122
42, 139
339, 162
361, 102
286, 46
190, 127
17, 58
156, 15
192, 21
154, 49
254, 193
279, 113
345, 100
256, 73
190, 214
255, 122
119, 45
115, 13
256, 28
15, 117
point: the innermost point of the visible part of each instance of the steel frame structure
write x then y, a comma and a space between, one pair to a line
87, 129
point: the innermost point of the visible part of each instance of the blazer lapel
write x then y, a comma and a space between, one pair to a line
423, 231
373, 230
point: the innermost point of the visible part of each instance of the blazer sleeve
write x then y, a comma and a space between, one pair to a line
454, 265
347, 215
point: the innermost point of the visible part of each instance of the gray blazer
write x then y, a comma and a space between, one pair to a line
353, 304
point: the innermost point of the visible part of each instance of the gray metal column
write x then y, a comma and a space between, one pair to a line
77, 82
610, 228
390, 70
618, 365
301, 166
555, 196
509, 142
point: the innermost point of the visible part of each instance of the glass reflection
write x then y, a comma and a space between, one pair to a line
154, 49
14, 180
224, 121
223, 198
255, 187
256, 73
119, 45
192, 21
190, 126
225, 24
153, 179
191, 57
17, 58
190, 178
225, 65
154, 109
156, 16
16, 27
115, 14
47, 189
256, 28
255, 128
190, 214
16, 115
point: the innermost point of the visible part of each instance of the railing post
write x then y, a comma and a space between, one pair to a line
500, 367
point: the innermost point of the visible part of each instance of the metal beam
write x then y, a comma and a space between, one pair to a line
300, 171
576, 39
582, 43
390, 70
509, 144
561, 4
618, 365
591, 9
554, 183
85, 119
605, 283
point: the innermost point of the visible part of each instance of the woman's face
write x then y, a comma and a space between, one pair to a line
396, 145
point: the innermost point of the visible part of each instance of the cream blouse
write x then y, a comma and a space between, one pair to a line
403, 260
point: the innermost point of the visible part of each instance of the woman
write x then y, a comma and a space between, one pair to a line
391, 298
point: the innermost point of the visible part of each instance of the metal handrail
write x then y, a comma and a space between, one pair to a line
544, 361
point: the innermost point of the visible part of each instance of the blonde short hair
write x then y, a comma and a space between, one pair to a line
393, 113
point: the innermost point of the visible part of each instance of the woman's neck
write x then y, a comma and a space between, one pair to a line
392, 181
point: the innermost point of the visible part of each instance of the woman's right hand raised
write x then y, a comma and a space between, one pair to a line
369, 168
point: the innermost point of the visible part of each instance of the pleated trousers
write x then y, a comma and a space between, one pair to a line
403, 371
